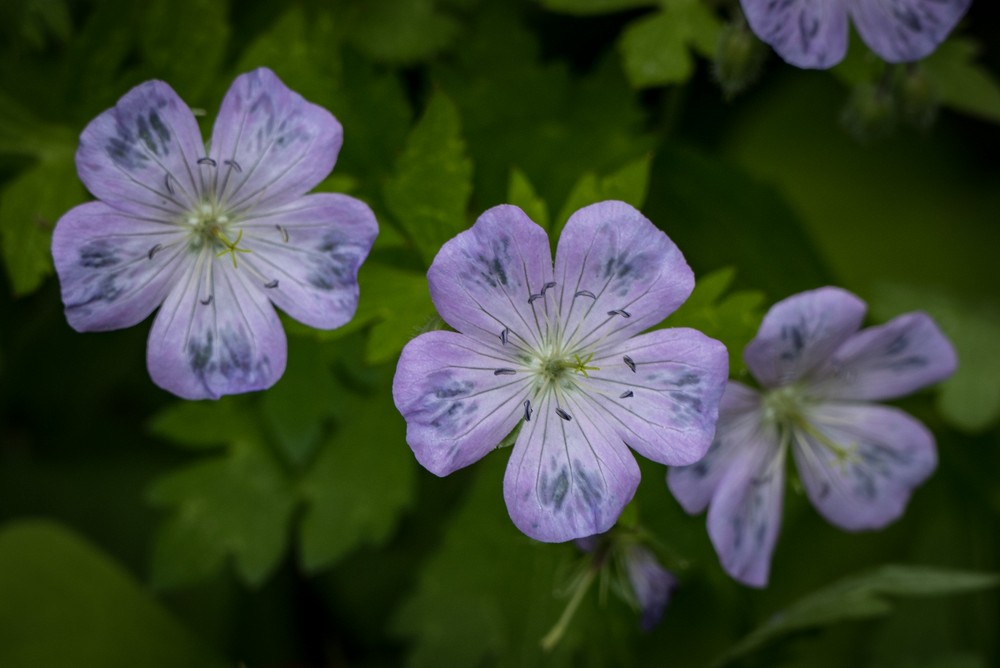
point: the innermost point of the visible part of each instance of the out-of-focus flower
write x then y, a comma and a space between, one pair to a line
813, 33
557, 351
212, 237
859, 461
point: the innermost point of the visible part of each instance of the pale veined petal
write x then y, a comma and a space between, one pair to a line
114, 268
905, 30
269, 145
570, 475
141, 155
307, 255
459, 397
860, 463
660, 392
805, 33
616, 274
216, 334
491, 281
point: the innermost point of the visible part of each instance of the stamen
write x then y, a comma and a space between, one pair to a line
207, 300
206, 161
563, 414
232, 163
284, 233
166, 181
620, 311
585, 293
550, 284
527, 410
535, 296
626, 394
629, 363
504, 372
272, 284
504, 334
154, 250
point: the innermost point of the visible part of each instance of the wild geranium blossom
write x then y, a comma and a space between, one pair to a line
813, 33
858, 461
214, 236
558, 351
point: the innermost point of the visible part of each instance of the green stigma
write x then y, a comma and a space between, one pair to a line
580, 365
231, 246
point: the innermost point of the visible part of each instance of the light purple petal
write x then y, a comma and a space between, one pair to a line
140, 155
800, 333
570, 476
269, 145
651, 583
889, 361
482, 282
878, 456
745, 515
805, 33
660, 392
307, 254
738, 428
616, 275
114, 268
457, 408
216, 334
905, 30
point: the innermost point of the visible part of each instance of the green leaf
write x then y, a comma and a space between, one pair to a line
400, 32
970, 399
184, 41
733, 319
23, 134
360, 485
203, 424
656, 49
629, 183
961, 83
300, 404
65, 603
429, 191
30, 205
237, 505
588, 7
860, 597
522, 194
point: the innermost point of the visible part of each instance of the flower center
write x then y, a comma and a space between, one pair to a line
783, 405
557, 369
210, 228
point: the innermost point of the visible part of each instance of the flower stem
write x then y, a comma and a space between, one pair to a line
553, 637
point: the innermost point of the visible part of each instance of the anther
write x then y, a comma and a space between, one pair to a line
563, 414
629, 363
154, 250
207, 300
550, 284
585, 293
284, 233
504, 334
166, 182
232, 163
273, 284
504, 372
626, 394
620, 311
206, 161
527, 410
535, 296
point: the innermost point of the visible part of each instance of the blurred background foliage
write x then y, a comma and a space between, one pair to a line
293, 527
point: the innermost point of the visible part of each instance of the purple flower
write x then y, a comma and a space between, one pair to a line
813, 33
556, 351
652, 584
214, 236
858, 461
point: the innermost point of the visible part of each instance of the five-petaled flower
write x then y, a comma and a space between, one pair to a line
215, 235
556, 351
813, 33
858, 461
